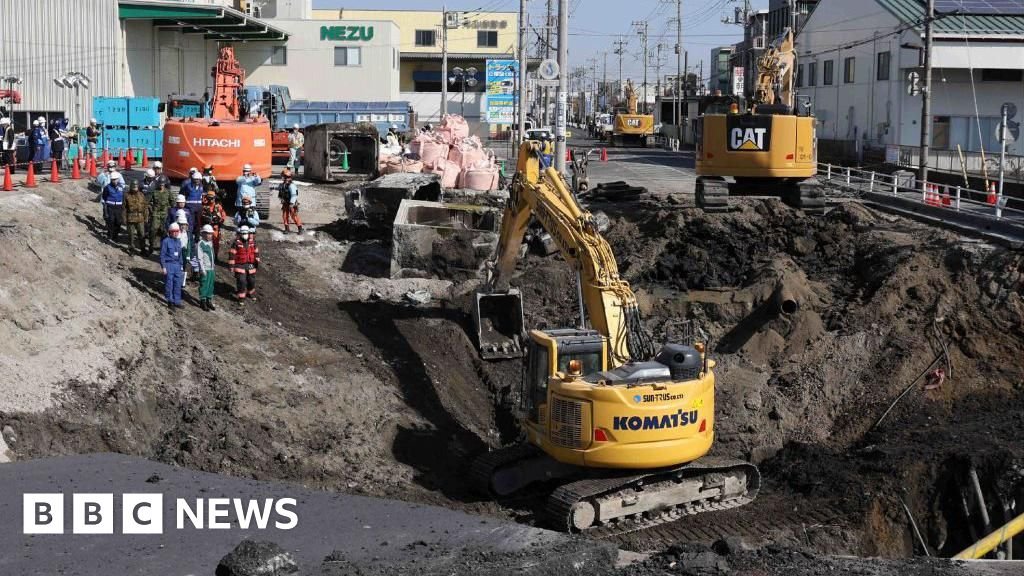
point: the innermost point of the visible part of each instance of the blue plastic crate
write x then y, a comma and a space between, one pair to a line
115, 139
150, 139
143, 112
110, 111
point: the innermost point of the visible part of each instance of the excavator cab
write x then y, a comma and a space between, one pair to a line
550, 352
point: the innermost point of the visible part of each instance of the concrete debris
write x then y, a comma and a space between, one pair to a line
420, 297
377, 203
9, 435
252, 558
446, 241
615, 191
4, 451
492, 198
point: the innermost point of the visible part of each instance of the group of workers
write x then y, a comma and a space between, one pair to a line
45, 140
185, 227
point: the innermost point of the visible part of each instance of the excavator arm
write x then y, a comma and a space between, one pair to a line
775, 72
609, 301
228, 77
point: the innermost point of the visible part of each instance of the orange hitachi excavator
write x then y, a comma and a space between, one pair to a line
228, 139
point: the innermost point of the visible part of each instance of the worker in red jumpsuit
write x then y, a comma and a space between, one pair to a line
244, 260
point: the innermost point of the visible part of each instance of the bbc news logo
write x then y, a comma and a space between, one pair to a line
144, 514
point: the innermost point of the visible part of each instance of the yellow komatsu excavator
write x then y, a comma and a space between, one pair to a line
621, 427
770, 149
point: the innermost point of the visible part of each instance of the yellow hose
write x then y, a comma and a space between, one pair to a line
997, 537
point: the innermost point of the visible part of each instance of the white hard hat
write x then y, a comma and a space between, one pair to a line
115, 176
193, 170
197, 176
182, 218
150, 173
394, 126
92, 121
207, 229
295, 126
243, 230
174, 226
180, 198
111, 163
158, 164
247, 168
5, 120
42, 120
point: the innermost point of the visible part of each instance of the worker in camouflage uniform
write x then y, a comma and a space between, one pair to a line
136, 211
163, 198
213, 215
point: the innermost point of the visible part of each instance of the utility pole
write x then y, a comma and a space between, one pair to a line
524, 22
604, 81
563, 83
641, 28
679, 68
926, 96
444, 61
657, 71
620, 49
547, 56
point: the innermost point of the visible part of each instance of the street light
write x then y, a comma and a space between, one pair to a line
76, 80
467, 77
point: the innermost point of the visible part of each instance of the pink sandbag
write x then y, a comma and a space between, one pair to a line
481, 176
395, 164
457, 125
448, 171
429, 148
467, 152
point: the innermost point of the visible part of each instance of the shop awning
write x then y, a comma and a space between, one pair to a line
212, 21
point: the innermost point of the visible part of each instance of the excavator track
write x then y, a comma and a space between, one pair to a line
712, 194
607, 507
483, 469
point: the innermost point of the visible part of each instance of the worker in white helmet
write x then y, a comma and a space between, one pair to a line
247, 184
296, 141
171, 265
7, 143
161, 179
92, 136
206, 260
113, 205
244, 260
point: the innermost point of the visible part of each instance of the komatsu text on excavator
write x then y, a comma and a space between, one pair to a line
622, 426
770, 149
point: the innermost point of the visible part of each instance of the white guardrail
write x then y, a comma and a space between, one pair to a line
934, 194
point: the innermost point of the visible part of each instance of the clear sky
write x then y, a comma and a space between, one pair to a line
594, 25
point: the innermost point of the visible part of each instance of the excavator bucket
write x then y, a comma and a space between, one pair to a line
499, 324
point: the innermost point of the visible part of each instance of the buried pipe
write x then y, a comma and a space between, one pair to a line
786, 301
988, 543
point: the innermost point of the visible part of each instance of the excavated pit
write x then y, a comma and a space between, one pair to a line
335, 380
448, 241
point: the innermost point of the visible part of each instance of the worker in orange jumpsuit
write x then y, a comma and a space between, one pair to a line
288, 193
213, 214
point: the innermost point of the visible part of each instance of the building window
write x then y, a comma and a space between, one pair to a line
1001, 75
812, 74
487, 38
426, 37
849, 68
800, 76
278, 56
884, 63
827, 73
347, 56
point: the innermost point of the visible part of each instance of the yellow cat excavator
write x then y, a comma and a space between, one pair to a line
622, 427
770, 149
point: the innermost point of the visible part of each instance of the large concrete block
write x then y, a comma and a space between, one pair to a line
449, 241
377, 203
492, 198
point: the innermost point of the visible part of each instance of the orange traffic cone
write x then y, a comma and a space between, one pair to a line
991, 198
121, 161
76, 173
946, 200
604, 154
130, 159
8, 183
568, 154
92, 166
30, 180
145, 158
54, 172
106, 156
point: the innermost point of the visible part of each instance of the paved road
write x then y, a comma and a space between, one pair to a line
362, 528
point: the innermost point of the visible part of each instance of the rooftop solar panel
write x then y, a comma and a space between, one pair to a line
1001, 7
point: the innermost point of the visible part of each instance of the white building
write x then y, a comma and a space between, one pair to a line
856, 58
156, 48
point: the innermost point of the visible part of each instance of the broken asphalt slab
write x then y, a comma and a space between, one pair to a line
364, 531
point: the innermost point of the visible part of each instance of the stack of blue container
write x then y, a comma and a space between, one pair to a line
130, 123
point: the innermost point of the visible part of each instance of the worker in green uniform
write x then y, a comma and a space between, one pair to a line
162, 199
207, 263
